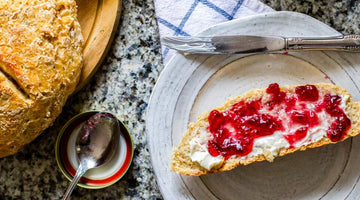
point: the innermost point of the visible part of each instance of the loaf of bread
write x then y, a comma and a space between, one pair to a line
40, 65
264, 124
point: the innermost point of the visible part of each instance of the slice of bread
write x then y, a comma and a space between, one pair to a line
182, 163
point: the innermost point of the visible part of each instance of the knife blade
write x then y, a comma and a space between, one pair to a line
237, 44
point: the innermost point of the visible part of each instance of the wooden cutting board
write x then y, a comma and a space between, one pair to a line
99, 20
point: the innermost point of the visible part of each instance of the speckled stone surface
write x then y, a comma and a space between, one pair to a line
123, 86
342, 15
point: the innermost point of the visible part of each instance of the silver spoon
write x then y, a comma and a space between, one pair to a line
95, 145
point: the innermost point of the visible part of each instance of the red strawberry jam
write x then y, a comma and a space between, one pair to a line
338, 128
304, 117
297, 136
342, 123
234, 131
277, 97
307, 93
331, 105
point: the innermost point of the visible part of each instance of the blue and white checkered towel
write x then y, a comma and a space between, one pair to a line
189, 17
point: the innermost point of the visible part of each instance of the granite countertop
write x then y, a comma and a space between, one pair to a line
123, 86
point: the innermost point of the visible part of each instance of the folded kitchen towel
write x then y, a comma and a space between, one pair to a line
189, 17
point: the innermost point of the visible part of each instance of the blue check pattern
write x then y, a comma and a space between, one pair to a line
188, 17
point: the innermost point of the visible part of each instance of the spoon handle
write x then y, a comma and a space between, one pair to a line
79, 173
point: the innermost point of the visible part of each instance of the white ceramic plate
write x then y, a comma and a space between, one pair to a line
189, 85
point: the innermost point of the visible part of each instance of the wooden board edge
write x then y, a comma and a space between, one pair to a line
83, 81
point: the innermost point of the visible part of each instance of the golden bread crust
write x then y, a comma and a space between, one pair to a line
40, 65
180, 159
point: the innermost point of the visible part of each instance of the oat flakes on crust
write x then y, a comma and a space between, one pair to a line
40, 65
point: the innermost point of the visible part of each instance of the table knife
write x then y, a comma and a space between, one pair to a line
237, 44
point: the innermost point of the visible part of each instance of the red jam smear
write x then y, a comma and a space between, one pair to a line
307, 93
234, 130
341, 124
304, 117
277, 97
297, 136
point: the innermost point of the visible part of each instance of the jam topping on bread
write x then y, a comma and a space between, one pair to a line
263, 124
234, 131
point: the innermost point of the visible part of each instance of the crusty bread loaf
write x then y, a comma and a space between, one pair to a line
40, 65
180, 159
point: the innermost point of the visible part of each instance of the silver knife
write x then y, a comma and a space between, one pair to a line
233, 44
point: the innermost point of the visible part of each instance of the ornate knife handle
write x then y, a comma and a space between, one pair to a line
346, 43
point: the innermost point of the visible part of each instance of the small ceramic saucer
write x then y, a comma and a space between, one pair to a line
101, 176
